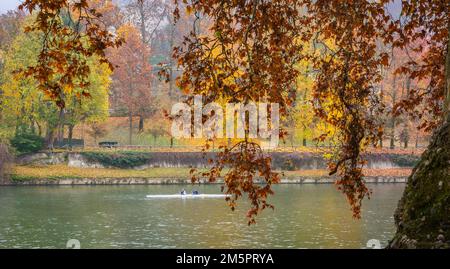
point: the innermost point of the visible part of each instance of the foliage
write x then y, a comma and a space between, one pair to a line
256, 61
118, 159
426, 32
247, 56
70, 36
26, 108
402, 160
98, 131
344, 92
132, 77
250, 53
27, 143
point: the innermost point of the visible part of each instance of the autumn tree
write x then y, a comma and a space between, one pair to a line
258, 50
147, 16
256, 58
347, 74
30, 110
111, 15
71, 33
10, 27
422, 217
97, 130
132, 77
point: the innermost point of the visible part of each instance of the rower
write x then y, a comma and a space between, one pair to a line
183, 192
195, 192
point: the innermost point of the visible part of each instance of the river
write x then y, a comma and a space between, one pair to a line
305, 216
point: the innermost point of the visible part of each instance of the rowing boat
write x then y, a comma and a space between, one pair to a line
183, 196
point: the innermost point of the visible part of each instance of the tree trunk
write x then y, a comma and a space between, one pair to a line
39, 131
447, 76
423, 213
70, 135
60, 131
422, 216
5, 161
141, 123
393, 119
50, 139
405, 123
130, 134
171, 61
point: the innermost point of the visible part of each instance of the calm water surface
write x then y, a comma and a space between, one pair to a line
305, 216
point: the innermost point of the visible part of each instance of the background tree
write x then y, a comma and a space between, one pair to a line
5, 159
29, 110
132, 77
97, 130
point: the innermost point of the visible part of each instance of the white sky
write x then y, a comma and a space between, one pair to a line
6, 5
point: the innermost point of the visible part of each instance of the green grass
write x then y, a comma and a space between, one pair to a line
21, 173
58, 172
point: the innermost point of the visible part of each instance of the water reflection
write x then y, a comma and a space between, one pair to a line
306, 216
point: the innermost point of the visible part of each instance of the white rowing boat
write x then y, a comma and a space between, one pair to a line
184, 196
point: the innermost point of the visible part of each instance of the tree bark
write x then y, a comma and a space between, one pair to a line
171, 63
141, 123
393, 119
50, 139
423, 213
5, 161
60, 131
130, 134
70, 135
447, 76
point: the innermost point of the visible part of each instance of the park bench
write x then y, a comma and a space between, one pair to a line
108, 144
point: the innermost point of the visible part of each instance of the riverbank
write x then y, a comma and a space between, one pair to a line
178, 181
287, 161
66, 175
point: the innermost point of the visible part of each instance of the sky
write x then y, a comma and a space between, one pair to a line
6, 5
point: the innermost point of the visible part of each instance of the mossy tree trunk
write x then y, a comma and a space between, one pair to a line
423, 214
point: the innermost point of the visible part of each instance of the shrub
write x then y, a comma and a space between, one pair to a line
119, 159
27, 143
405, 160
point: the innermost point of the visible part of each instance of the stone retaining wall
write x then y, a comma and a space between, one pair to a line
163, 181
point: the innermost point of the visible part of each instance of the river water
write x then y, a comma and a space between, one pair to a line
305, 216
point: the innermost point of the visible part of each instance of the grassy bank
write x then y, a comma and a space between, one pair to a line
55, 172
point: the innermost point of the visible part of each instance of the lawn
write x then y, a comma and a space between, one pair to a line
64, 171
